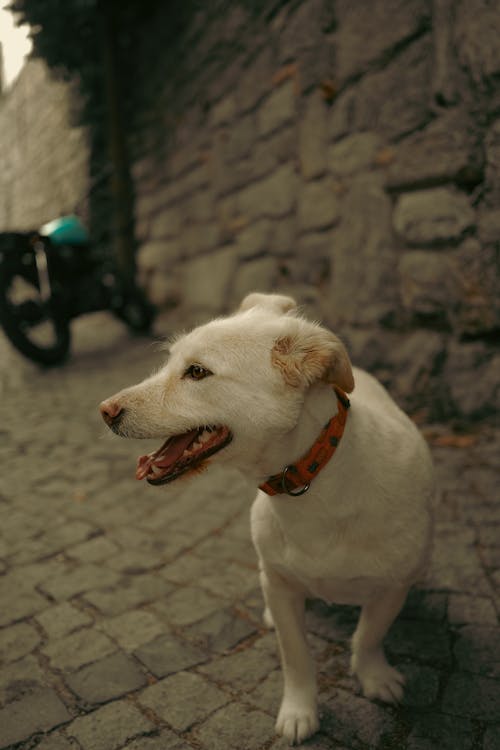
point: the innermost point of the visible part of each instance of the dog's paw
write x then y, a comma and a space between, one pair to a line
268, 619
296, 723
378, 679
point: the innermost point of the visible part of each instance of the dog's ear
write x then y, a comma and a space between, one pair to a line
307, 353
276, 303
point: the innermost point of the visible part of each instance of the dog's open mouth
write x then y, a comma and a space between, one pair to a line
182, 453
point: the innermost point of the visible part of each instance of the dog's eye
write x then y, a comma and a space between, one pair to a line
196, 372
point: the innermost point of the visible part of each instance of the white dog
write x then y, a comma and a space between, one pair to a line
344, 509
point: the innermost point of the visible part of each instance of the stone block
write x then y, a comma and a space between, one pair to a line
39, 711
157, 256
220, 631
273, 196
268, 154
393, 101
254, 80
189, 604
165, 224
226, 728
363, 257
107, 679
390, 25
20, 678
183, 699
16, 641
318, 206
437, 730
302, 30
477, 650
78, 649
254, 238
110, 727
167, 654
488, 225
480, 21
354, 153
434, 216
242, 670
95, 550
466, 365
240, 138
428, 285
223, 111
423, 640
74, 581
474, 269
422, 685
465, 609
206, 279
139, 589
445, 151
472, 696
312, 137
491, 738
253, 275
132, 629
277, 110
351, 720
55, 741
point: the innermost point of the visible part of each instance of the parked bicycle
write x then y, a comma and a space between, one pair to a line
50, 276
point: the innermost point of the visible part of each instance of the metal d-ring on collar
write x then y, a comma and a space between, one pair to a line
285, 488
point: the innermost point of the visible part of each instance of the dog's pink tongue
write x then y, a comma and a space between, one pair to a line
170, 452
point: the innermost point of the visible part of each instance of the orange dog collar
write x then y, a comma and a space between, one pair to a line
295, 479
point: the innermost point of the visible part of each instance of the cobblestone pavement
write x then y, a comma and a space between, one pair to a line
130, 615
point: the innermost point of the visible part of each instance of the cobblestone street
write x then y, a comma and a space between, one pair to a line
130, 616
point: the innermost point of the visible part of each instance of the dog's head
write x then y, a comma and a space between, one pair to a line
229, 387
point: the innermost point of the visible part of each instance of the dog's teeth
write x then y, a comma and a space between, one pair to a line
204, 437
156, 469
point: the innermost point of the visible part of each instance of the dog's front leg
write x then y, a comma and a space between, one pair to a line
298, 715
378, 679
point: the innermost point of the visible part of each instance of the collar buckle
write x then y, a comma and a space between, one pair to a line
286, 489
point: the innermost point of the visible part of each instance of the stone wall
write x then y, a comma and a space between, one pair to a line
347, 153
43, 158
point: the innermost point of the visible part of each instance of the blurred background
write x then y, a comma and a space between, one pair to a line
347, 153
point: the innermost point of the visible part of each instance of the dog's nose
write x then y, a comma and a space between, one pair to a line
111, 411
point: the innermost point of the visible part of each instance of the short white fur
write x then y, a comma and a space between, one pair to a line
362, 533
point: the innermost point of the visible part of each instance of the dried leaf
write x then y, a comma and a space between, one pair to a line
452, 440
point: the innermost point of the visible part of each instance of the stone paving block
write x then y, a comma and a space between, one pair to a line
84, 578
166, 740
464, 609
236, 726
19, 678
220, 631
422, 685
420, 640
425, 605
436, 730
110, 727
22, 601
477, 649
62, 619
55, 741
313, 137
36, 712
78, 649
349, 719
183, 699
492, 738
187, 605
129, 594
318, 206
95, 550
241, 670
267, 695
106, 679
472, 696
168, 654
132, 629
17, 641
277, 109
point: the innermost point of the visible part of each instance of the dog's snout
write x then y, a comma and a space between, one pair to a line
111, 412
